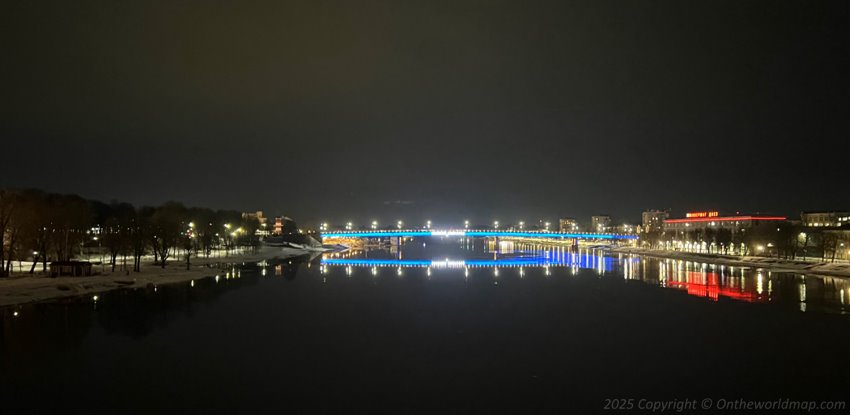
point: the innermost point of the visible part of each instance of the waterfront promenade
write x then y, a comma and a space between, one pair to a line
25, 288
835, 269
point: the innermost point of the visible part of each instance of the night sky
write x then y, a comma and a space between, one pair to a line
442, 110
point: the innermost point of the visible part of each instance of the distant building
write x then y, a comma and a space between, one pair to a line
258, 216
278, 225
600, 223
829, 219
625, 229
653, 220
262, 222
713, 220
284, 225
70, 268
567, 225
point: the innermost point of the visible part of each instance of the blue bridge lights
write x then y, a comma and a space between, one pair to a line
475, 234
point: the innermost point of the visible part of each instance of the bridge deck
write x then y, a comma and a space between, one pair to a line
475, 233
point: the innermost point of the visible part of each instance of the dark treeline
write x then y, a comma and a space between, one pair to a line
44, 227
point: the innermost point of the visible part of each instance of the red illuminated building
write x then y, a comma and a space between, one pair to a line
712, 219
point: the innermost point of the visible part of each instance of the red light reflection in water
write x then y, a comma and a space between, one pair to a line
708, 285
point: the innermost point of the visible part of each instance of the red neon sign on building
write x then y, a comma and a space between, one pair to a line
712, 214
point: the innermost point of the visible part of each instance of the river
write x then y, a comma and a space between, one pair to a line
447, 324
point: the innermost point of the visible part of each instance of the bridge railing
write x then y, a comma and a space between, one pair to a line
471, 233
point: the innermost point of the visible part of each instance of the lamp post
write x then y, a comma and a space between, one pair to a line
100, 253
226, 244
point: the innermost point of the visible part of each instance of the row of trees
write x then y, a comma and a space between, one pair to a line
44, 227
784, 240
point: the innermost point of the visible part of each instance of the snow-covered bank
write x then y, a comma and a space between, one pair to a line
836, 269
25, 288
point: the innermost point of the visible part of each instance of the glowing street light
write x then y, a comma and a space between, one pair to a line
400, 224
227, 226
428, 224
466, 224
348, 226
191, 224
496, 224
546, 225
521, 224
323, 226
374, 224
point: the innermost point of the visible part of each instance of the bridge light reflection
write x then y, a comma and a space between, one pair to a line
586, 261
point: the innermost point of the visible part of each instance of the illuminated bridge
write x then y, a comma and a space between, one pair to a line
402, 233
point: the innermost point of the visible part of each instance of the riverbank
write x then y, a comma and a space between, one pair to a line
836, 269
25, 288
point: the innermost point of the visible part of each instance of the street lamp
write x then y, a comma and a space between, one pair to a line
428, 224
348, 226
400, 224
546, 225
374, 224
521, 224
466, 224
496, 224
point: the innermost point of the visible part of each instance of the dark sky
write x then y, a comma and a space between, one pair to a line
355, 110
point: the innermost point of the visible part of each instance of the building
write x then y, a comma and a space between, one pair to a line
278, 226
600, 223
70, 268
828, 219
262, 222
624, 228
257, 216
567, 225
653, 220
694, 221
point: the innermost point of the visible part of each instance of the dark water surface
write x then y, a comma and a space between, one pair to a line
450, 326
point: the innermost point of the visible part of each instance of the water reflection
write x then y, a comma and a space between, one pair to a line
710, 281
474, 311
